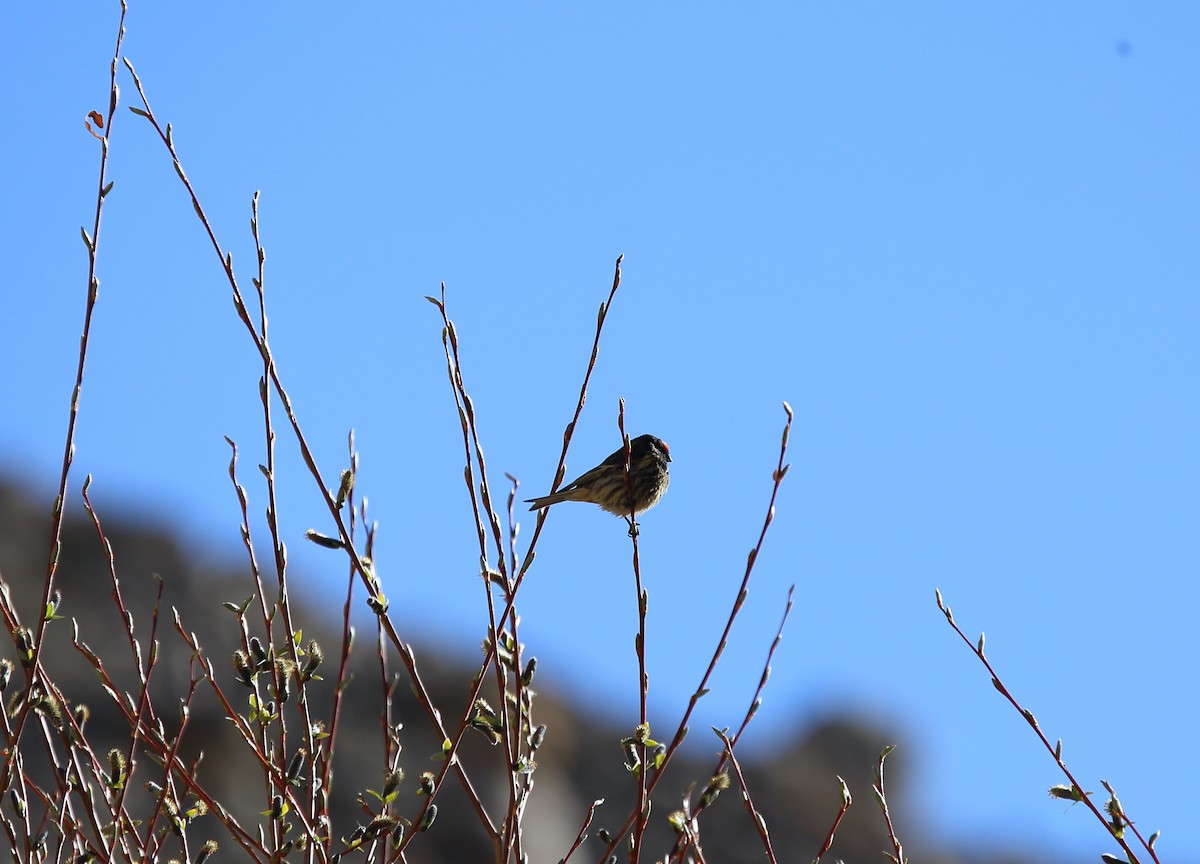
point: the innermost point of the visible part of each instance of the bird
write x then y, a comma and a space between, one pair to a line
604, 485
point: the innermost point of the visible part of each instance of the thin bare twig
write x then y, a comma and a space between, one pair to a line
91, 242
693, 812
897, 853
781, 470
756, 700
846, 802
642, 769
118, 813
1075, 792
582, 835
511, 582
759, 822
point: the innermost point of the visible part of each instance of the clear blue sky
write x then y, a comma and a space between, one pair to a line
960, 239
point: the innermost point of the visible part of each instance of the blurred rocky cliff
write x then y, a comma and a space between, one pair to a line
795, 788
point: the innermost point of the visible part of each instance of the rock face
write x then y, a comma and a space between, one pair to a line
581, 761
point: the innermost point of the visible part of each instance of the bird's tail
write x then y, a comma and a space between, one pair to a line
573, 494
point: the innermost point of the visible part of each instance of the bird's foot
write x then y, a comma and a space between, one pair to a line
634, 530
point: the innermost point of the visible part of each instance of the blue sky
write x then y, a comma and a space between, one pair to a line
960, 239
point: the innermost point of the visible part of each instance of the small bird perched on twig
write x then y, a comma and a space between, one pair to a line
604, 485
